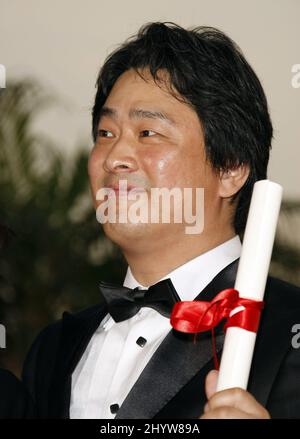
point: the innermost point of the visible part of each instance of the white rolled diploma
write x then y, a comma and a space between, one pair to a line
251, 281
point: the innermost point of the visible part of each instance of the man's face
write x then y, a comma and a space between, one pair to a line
151, 140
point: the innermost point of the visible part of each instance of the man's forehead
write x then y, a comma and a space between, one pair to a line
145, 112
161, 102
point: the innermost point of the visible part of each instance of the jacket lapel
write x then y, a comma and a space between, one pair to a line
176, 361
77, 331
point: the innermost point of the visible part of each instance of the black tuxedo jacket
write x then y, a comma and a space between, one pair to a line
172, 383
15, 401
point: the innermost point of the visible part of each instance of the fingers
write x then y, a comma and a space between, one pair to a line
211, 383
226, 413
231, 403
236, 399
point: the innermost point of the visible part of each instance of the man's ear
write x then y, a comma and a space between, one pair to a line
232, 180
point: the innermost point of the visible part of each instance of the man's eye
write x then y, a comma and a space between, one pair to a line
147, 133
104, 133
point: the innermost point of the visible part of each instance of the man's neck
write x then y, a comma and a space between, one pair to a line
148, 267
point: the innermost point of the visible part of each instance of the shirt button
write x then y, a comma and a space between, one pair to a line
141, 341
114, 408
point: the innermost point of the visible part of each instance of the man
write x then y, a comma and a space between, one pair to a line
174, 108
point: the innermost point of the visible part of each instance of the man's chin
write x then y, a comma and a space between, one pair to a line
121, 233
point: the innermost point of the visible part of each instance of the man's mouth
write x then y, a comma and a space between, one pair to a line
124, 189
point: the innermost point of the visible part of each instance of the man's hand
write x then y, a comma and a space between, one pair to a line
230, 404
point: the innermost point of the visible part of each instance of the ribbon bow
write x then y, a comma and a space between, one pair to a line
200, 316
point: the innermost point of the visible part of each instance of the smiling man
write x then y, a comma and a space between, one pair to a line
149, 138
181, 109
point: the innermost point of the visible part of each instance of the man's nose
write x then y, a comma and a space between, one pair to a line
121, 157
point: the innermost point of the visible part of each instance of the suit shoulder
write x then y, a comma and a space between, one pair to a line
87, 312
52, 332
43, 352
47, 341
281, 293
10, 385
8, 379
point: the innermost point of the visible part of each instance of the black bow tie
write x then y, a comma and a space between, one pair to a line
123, 302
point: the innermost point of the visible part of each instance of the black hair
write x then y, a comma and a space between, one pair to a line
209, 72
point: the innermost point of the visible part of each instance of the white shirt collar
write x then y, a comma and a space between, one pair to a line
192, 277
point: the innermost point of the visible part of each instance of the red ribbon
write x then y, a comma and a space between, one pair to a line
199, 316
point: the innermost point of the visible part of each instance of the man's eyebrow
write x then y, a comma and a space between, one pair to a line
138, 113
